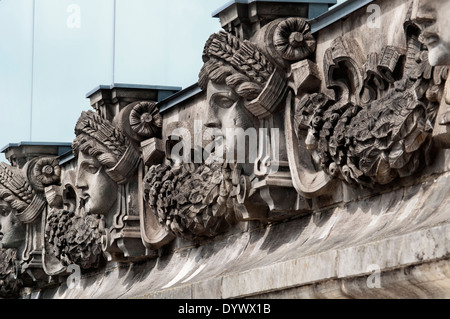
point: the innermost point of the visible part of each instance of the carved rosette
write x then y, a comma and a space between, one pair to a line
43, 172
145, 119
293, 39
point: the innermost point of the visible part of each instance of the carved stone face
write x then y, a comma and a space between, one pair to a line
434, 18
98, 190
12, 231
227, 112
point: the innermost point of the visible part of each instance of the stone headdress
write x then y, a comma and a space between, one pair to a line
24, 193
99, 138
257, 70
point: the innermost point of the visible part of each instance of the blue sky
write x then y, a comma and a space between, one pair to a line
157, 43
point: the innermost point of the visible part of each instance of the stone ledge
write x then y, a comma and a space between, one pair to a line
429, 249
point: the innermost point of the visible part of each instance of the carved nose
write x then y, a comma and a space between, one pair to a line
79, 180
212, 120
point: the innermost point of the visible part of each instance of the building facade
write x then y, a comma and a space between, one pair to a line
309, 161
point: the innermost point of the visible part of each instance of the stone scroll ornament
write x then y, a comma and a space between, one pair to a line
377, 126
23, 205
196, 201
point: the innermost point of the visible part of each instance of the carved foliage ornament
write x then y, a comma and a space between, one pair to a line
75, 239
9, 283
191, 202
379, 125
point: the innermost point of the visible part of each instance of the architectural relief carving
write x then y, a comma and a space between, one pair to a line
106, 175
432, 18
191, 202
378, 126
23, 206
245, 84
356, 117
12, 237
9, 283
75, 239
95, 216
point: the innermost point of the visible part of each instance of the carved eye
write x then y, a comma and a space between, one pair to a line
91, 168
4, 212
223, 101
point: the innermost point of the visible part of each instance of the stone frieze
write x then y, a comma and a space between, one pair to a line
364, 119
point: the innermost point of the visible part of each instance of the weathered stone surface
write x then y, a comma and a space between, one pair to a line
341, 191
334, 247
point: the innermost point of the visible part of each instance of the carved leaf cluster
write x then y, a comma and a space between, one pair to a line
75, 239
222, 45
255, 65
242, 55
190, 202
386, 137
9, 285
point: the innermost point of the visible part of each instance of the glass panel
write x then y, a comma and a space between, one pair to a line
157, 43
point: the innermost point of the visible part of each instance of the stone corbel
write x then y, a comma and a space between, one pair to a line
42, 173
142, 123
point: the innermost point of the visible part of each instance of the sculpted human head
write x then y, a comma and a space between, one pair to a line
227, 113
12, 231
98, 190
106, 160
434, 18
232, 87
